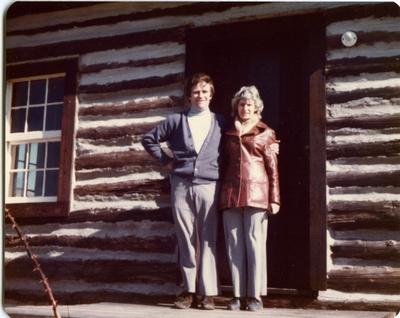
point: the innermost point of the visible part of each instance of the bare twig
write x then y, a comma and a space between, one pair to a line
36, 264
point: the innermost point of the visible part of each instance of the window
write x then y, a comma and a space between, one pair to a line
39, 133
34, 138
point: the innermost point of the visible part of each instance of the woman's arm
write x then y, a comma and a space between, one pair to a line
271, 166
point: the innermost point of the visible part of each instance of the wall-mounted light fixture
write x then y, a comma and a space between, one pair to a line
349, 38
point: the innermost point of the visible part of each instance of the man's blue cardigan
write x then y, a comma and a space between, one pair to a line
201, 167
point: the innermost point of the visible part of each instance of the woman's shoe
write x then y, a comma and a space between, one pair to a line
234, 304
254, 304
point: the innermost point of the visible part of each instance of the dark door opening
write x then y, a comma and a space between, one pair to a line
279, 57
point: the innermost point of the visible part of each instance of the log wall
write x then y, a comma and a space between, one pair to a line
118, 240
363, 150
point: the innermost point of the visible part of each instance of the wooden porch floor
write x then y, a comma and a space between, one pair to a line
117, 310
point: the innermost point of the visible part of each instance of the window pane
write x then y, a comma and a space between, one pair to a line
51, 186
35, 183
54, 117
37, 93
19, 94
56, 90
17, 187
18, 156
35, 118
36, 155
18, 120
53, 154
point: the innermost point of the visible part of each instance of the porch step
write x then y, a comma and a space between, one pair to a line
165, 310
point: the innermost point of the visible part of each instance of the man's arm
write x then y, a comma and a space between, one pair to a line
151, 141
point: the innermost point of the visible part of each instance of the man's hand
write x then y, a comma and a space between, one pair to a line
169, 166
275, 208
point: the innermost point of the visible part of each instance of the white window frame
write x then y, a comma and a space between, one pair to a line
24, 138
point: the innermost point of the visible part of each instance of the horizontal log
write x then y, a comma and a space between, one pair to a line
349, 178
366, 122
183, 10
130, 107
381, 280
388, 250
71, 297
101, 274
368, 65
366, 161
360, 11
95, 146
93, 45
114, 132
387, 206
363, 150
68, 290
335, 42
82, 175
113, 159
121, 188
364, 219
346, 62
131, 84
173, 89
20, 9
105, 215
136, 63
342, 97
156, 244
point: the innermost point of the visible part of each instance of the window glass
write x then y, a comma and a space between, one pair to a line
53, 155
54, 117
51, 183
17, 184
37, 92
20, 94
18, 120
19, 156
35, 183
35, 118
56, 90
37, 152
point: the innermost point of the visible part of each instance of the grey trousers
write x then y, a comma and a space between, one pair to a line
195, 215
246, 238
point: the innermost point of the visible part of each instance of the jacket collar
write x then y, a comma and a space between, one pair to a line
257, 129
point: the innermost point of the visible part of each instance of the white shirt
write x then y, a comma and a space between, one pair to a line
199, 123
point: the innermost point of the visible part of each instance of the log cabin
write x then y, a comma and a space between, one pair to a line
85, 80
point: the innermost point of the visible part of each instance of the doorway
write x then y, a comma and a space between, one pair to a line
284, 59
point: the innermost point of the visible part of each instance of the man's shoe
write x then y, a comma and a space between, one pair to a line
254, 304
184, 300
234, 304
207, 303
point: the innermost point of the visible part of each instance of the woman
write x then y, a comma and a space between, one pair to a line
250, 191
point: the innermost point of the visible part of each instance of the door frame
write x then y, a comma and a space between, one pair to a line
315, 48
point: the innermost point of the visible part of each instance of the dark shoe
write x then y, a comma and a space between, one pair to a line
207, 303
254, 304
243, 303
184, 300
234, 304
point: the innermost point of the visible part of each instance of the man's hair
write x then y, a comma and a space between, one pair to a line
196, 79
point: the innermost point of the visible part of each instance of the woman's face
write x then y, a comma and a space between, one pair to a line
246, 109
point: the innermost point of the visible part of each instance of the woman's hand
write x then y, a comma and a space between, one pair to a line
275, 147
275, 208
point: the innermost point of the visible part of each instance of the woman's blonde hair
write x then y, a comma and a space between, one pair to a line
248, 92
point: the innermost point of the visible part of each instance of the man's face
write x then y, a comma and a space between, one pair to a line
200, 95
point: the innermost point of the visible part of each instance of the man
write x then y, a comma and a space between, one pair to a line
194, 138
